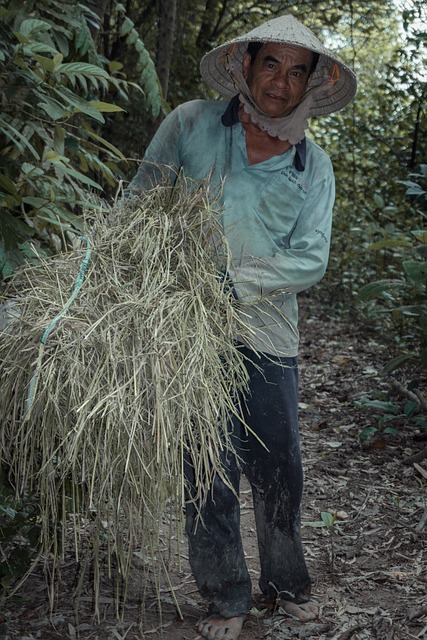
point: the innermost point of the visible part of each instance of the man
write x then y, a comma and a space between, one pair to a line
277, 193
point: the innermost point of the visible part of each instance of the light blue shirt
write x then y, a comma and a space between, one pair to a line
277, 220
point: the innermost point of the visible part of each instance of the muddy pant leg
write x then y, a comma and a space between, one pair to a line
276, 477
215, 546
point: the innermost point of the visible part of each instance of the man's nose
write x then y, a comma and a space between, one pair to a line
281, 80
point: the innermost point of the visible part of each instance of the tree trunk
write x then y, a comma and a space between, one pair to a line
214, 8
94, 23
167, 22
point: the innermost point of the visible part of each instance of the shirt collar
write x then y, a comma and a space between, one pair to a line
231, 117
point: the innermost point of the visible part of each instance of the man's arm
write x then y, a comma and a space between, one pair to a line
303, 263
161, 161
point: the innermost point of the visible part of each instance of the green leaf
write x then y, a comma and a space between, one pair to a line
415, 190
39, 47
54, 109
127, 26
58, 216
397, 362
366, 433
8, 185
422, 251
379, 201
59, 139
421, 421
79, 104
69, 171
377, 405
83, 40
9, 201
410, 408
46, 63
375, 289
67, 217
13, 231
328, 519
420, 235
8, 511
416, 271
32, 26
105, 107
31, 169
12, 133
388, 244
132, 37
115, 65
391, 431
84, 68
34, 201
106, 144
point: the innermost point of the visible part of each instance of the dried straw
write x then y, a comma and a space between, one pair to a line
139, 372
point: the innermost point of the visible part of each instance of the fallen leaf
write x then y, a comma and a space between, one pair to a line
420, 469
371, 611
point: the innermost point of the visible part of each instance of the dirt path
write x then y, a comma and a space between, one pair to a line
369, 568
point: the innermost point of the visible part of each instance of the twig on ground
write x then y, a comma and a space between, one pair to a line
417, 457
416, 395
420, 526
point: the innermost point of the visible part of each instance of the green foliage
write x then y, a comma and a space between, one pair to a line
56, 97
388, 417
398, 307
399, 304
328, 519
258, 614
372, 143
144, 66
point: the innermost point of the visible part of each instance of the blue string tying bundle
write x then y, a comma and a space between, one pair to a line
77, 285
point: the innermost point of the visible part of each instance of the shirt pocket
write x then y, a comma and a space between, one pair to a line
279, 207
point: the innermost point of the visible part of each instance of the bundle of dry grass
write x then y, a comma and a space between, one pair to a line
110, 377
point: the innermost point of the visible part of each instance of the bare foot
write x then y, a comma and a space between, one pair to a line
218, 628
303, 612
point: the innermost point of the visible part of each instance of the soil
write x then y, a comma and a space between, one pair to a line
369, 567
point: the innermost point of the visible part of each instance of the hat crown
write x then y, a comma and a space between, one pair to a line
284, 29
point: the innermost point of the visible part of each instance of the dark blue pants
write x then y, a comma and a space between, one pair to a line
215, 546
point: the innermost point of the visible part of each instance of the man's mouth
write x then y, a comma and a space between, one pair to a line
274, 96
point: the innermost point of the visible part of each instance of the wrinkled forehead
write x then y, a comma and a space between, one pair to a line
283, 51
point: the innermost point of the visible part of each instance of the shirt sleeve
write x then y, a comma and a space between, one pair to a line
304, 262
162, 159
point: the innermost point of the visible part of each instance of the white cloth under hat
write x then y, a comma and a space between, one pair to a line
332, 85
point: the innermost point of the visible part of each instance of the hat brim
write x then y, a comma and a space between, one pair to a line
340, 88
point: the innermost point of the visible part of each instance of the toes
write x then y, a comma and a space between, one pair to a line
199, 625
305, 611
218, 628
230, 633
204, 627
211, 632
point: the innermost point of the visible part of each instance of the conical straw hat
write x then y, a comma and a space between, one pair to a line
341, 84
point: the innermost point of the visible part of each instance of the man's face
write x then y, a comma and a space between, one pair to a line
278, 77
